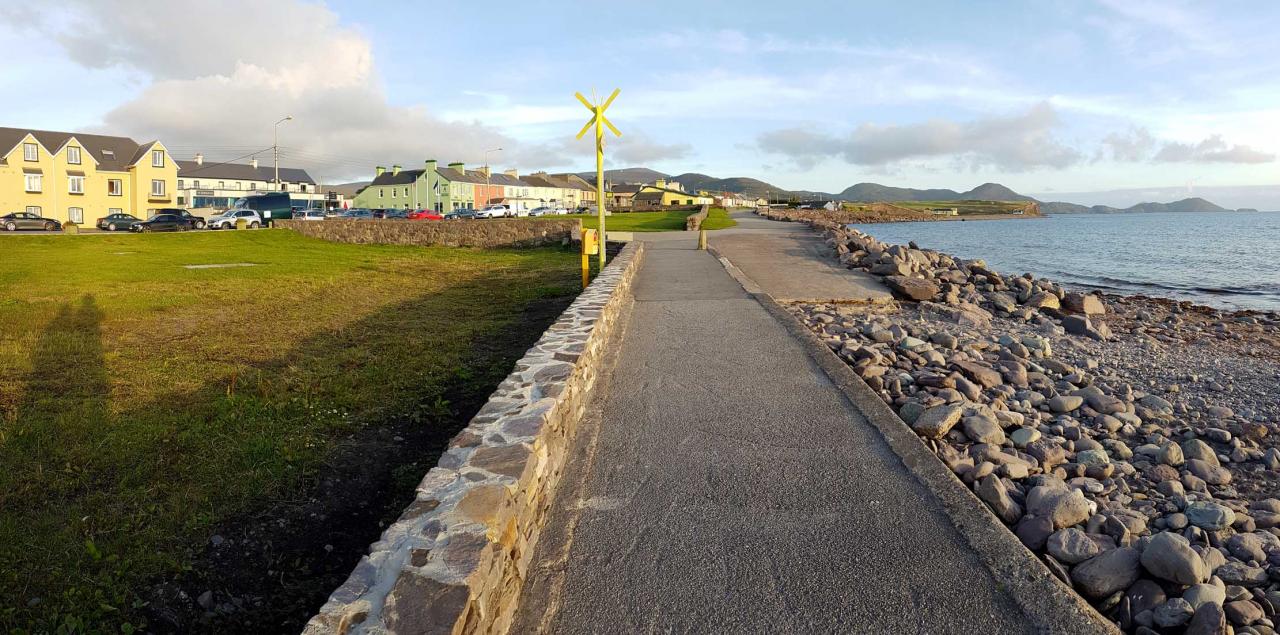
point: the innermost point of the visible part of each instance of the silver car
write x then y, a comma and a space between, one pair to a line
227, 219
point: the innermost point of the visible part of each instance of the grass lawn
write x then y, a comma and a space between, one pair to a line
718, 218
142, 403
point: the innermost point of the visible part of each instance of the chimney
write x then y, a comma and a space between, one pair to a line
459, 166
254, 163
199, 159
512, 173
379, 170
661, 183
431, 166
485, 170
395, 169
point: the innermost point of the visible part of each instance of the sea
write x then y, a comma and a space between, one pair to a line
1228, 260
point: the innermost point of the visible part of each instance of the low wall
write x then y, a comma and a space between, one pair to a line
456, 559
876, 213
693, 222
514, 232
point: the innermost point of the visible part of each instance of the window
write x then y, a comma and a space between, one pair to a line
222, 185
406, 192
30, 152
35, 183
115, 210
253, 186
157, 187
379, 192
73, 155
181, 185
75, 184
33, 209
108, 154
303, 187
75, 214
236, 185
195, 184
114, 188
157, 158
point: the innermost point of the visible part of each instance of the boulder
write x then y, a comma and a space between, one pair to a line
1209, 619
1072, 546
1107, 573
1170, 557
1065, 507
986, 376
982, 429
992, 492
937, 421
917, 289
1083, 303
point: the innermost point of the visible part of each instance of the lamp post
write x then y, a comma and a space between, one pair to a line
488, 170
275, 148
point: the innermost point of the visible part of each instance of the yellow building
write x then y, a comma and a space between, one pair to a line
82, 177
661, 195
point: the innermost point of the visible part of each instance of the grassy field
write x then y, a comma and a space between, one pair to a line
717, 218
143, 403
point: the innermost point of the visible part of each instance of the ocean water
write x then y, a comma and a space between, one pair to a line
1223, 259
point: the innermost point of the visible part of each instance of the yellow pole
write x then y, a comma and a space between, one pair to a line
600, 181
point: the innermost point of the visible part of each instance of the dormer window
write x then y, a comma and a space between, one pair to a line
108, 154
73, 155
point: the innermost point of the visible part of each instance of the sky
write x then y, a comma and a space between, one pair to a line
1049, 98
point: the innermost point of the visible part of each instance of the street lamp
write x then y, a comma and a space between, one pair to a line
275, 148
487, 171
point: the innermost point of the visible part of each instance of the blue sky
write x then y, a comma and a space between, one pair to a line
1045, 97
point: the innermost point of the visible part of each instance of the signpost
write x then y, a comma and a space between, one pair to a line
598, 120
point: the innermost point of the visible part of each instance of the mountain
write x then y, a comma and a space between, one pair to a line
1195, 204
994, 192
693, 181
626, 175
873, 192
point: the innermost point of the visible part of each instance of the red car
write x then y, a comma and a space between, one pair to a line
425, 214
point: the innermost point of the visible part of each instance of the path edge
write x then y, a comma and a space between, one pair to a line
1048, 604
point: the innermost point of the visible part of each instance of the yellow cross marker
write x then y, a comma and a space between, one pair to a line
599, 121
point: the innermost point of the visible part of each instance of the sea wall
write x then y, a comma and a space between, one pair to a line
487, 233
456, 559
876, 213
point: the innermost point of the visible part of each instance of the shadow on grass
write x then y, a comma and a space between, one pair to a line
320, 486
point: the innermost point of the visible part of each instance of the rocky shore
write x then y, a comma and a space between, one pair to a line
884, 213
1128, 442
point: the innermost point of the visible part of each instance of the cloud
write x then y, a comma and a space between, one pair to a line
1211, 150
256, 63
639, 148
1138, 144
1015, 143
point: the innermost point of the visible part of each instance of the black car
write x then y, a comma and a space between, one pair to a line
461, 214
163, 223
26, 220
115, 222
195, 221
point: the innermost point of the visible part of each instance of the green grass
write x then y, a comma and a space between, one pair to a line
668, 221
142, 402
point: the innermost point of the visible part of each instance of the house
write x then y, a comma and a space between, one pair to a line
212, 185
79, 177
551, 192
466, 187
516, 193
663, 194
583, 191
622, 197
397, 188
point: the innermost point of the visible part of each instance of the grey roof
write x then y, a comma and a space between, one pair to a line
576, 182
540, 180
470, 176
112, 153
405, 177
240, 171
499, 178
627, 188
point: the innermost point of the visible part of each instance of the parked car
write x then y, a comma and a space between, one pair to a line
560, 211
357, 213
227, 219
116, 222
465, 213
494, 211
540, 211
309, 214
162, 223
26, 220
269, 206
425, 214
195, 221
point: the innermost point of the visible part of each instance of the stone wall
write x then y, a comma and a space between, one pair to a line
456, 559
693, 222
514, 232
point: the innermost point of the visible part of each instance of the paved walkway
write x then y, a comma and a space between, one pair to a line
721, 483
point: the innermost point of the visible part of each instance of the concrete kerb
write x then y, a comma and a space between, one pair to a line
1049, 604
456, 559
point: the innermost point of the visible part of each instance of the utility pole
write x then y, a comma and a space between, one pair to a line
275, 148
598, 120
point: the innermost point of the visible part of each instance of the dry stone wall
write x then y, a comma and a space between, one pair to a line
693, 222
456, 559
487, 233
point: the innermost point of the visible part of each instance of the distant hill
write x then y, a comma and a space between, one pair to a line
873, 192
1195, 204
740, 185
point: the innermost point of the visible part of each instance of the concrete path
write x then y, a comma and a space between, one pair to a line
722, 483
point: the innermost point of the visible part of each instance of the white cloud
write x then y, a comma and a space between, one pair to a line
255, 63
1015, 143
1211, 150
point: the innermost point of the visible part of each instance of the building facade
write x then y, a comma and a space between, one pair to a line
396, 188
79, 178
216, 186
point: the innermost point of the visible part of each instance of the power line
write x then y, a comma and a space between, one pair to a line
204, 167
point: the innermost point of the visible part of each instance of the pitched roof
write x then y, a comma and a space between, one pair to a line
540, 180
405, 177
627, 188
457, 176
499, 178
240, 171
574, 181
112, 153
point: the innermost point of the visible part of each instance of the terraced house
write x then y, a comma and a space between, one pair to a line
77, 177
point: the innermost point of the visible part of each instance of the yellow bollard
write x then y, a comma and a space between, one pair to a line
702, 239
590, 246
